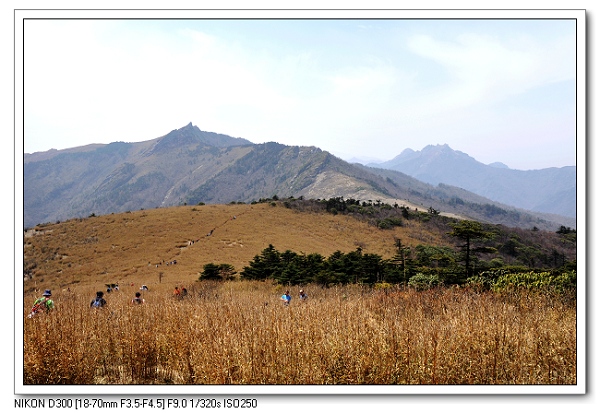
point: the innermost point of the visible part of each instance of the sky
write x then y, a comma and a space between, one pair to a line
364, 89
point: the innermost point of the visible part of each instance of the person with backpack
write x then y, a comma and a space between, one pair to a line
99, 301
138, 299
42, 304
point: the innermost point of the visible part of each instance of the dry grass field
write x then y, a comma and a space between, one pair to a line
238, 332
137, 246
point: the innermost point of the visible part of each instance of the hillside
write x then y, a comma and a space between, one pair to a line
119, 248
455, 201
190, 166
549, 190
143, 246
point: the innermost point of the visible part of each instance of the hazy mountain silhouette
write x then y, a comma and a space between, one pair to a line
190, 166
549, 190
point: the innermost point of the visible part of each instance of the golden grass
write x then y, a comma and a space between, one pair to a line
239, 333
125, 248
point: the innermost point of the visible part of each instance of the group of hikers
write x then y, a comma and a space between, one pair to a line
287, 298
45, 304
180, 292
99, 301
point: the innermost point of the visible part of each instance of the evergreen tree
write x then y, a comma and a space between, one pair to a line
336, 268
211, 272
262, 266
397, 266
217, 272
469, 231
310, 266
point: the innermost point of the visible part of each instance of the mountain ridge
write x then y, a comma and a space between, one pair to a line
548, 190
190, 166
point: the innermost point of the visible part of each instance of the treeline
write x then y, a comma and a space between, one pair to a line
428, 267
289, 267
376, 212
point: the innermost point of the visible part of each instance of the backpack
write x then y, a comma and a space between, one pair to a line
98, 302
40, 305
37, 306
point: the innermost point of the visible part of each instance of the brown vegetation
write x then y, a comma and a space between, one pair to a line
138, 246
240, 333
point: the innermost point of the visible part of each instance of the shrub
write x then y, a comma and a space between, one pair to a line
422, 281
536, 280
388, 223
383, 286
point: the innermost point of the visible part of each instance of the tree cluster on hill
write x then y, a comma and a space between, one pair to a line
378, 213
289, 267
508, 249
425, 267
532, 248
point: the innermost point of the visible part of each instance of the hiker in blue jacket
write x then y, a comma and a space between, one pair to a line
286, 298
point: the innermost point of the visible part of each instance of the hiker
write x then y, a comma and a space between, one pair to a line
138, 299
44, 303
302, 295
99, 301
286, 298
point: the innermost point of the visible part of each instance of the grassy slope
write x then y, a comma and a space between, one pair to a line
126, 248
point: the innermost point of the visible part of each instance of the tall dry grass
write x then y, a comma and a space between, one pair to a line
240, 333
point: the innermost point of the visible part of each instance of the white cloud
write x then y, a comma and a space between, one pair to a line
484, 69
100, 81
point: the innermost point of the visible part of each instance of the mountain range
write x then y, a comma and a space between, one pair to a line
549, 190
191, 166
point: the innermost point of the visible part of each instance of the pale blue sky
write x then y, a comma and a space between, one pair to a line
498, 89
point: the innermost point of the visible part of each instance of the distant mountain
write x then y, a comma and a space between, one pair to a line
190, 166
498, 165
550, 190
